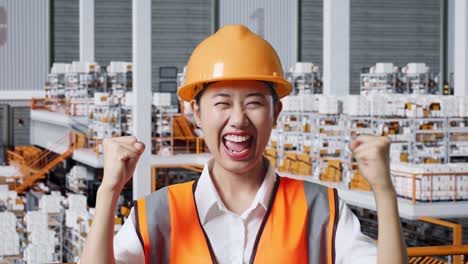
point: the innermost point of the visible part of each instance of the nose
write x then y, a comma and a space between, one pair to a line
238, 118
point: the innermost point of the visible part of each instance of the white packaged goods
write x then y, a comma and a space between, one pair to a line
36, 220
377, 105
413, 68
76, 177
7, 221
9, 244
102, 98
9, 198
42, 240
355, 105
307, 102
383, 67
77, 202
291, 103
329, 105
44, 236
84, 67
51, 203
59, 68
39, 253
162, 99
431, 188
302, 67
463, 106
119, 67
71, 219
129, 99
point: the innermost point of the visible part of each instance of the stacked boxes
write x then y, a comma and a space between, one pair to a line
76, 179
305, 77
10, 199
355, 105
51, 203
328, 105
381, 78
43, 241
104, 118
434, 182
77, 219
162, 99
413, 78
423, 129
120, 84
82, 79
10, 242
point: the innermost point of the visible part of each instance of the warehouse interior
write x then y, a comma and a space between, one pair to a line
75, 72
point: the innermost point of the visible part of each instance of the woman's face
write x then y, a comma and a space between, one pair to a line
236, 118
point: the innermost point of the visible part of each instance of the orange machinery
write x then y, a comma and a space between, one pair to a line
34, 163
457, 250
182, 131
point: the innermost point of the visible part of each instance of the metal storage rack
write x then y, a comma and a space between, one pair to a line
380, 83
305, 82
56, 222
418, 83
327, 129
457, 133
80, 88
395, 128
163, 123
73, 244
428, 143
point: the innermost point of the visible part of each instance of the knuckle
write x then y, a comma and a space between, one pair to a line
386, 140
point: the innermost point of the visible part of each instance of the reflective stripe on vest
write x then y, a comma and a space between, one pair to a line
299, 226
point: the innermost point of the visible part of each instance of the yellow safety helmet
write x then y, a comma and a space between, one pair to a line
233, 53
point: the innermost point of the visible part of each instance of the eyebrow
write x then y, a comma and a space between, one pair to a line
256, 94
226, 95
221, 95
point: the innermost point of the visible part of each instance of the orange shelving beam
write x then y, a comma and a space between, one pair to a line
29, 181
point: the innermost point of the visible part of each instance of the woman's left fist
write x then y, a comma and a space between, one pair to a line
372, 154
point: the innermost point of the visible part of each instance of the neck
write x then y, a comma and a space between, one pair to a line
238, 190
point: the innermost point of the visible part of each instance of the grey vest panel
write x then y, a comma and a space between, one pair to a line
318, 221
158, 219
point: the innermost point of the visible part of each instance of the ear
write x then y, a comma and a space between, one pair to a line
278, 108
196, 111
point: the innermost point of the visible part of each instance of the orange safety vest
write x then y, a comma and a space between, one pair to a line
299, 226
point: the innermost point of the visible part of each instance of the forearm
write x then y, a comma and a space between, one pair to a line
98, 247
391, 244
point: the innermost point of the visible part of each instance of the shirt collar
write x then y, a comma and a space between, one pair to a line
208, 200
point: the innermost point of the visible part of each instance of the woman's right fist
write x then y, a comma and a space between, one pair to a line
121, 155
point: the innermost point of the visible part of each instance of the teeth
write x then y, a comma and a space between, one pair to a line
237, 152
236, 138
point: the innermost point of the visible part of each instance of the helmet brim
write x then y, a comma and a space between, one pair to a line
187, 92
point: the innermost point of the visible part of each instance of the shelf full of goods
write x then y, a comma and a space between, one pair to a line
429, 140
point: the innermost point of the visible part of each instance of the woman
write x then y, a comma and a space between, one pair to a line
240, 211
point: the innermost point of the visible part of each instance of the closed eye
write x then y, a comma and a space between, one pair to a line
222, 103
255, 103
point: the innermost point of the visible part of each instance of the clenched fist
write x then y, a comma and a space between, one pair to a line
121, 155
372, 156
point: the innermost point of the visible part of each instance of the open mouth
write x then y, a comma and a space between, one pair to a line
237, 146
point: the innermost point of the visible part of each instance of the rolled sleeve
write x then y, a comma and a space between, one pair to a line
351, 245
127, 246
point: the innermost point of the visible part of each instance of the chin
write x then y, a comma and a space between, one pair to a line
238, 166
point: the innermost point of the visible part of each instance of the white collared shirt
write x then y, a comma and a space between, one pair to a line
232, 236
